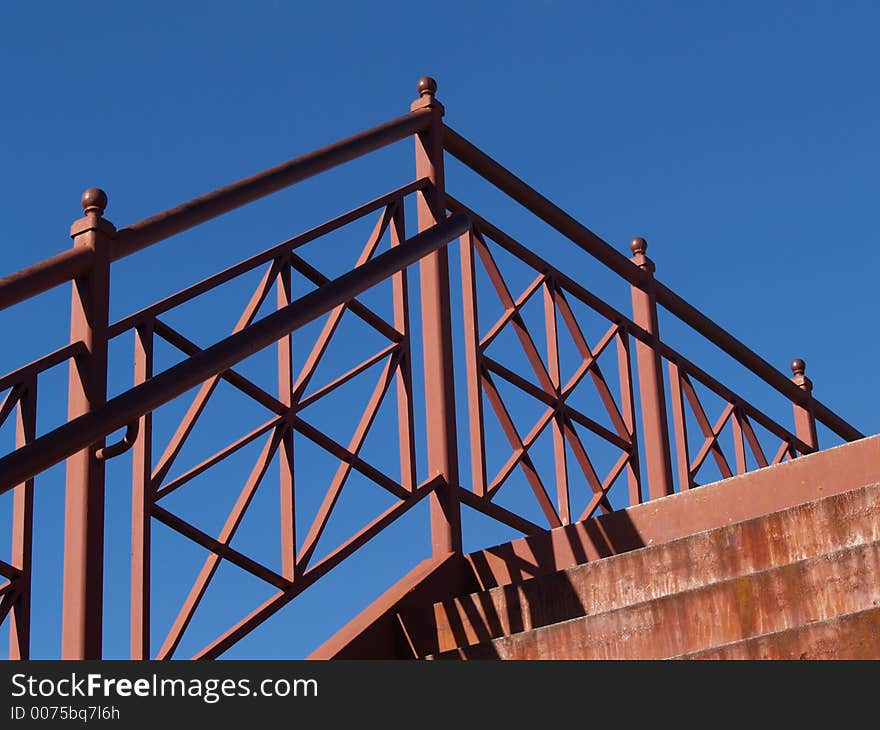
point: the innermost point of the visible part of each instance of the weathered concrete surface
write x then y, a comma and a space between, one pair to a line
756, 493
772, 600
815, 528
854, 636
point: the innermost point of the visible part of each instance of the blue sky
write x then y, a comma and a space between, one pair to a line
739, 139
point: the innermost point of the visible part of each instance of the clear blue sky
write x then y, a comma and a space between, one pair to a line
739, 139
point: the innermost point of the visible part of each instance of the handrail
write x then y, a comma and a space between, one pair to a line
68, 265
531, 199
208, 206
85, 430
44, 275
481, 163
754, 362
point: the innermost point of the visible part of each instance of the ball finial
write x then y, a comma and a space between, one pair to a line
427, 85
798, 367
94, 200
638, 245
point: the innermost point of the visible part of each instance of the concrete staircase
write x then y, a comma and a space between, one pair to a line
773, 586
781, 563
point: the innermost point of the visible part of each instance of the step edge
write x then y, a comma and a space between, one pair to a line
534, 580
690, 591
756, 637
832, 470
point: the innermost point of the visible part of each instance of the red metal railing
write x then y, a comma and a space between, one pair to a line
80, 441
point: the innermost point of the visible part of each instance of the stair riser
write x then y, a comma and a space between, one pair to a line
802, 532
853, 637
770, 601
754, 494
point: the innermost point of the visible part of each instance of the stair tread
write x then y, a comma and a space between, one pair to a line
868, 547
872, 612
659, 546
754, 532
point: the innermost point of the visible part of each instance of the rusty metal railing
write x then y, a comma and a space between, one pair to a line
641, 444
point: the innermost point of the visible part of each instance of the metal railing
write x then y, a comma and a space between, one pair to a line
640, 435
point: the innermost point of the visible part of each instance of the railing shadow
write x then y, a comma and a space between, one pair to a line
527, 584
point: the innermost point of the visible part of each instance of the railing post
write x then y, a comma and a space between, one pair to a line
23, 530
655, 429
84, 498
437, 333
142, 497
804, 419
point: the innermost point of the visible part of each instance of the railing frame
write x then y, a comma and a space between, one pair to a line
91, 416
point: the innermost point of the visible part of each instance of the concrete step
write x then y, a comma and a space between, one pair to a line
764, 602
852, 636
808, 530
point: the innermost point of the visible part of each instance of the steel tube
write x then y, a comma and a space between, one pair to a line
23, 532
531, 199
66, 266
84, 430
204, 208
45, 275
142, 501
750, 359
525, 195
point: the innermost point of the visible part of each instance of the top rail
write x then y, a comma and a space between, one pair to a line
208, 206
67, 265
45, 275
481, 163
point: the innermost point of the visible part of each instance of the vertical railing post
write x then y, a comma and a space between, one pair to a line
84, 497
23, 530
142, 497
437, 333
287, 501
804, 420
655, 429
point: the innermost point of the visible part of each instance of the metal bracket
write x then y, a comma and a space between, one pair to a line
121, 446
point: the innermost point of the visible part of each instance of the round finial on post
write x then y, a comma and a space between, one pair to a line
639, 248
798, 367
426, 86
94, 200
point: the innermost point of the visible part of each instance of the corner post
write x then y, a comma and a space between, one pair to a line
437, 333
804, 419
84, 497
655, 428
